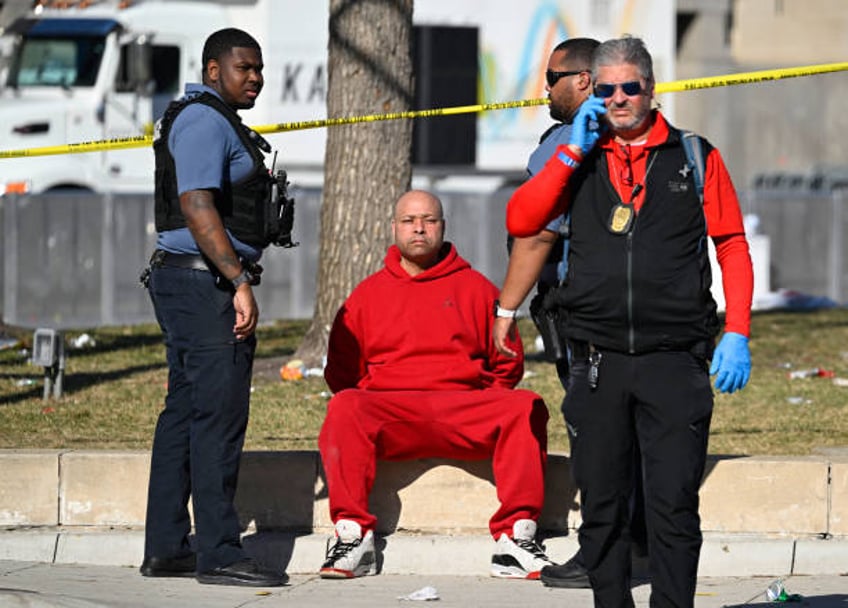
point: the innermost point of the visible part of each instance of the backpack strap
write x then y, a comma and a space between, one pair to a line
549, 130
693, 145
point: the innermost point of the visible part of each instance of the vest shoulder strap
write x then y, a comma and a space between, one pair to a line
693, 146
549, 130
163, 126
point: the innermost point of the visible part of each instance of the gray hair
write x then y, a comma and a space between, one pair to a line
627, 49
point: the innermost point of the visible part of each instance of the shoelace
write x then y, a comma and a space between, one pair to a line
531, 547
341, 548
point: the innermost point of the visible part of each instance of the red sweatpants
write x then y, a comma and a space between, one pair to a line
508, 426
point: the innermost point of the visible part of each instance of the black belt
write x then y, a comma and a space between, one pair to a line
702, 349
179, 260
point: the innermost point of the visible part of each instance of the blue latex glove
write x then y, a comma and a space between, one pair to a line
587, 128
732, 363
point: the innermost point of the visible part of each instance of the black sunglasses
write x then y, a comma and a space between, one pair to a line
634, 87
553, 77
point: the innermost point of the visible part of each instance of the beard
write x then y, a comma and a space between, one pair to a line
638, 115
564, 109
557, 113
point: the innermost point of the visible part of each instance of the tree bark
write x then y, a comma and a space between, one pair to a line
367, 166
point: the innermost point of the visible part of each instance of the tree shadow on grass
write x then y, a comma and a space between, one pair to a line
111, 344
72, 383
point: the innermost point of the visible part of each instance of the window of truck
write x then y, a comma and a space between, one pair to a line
70, 62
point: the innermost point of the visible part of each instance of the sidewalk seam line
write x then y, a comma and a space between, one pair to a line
829, 504
59, 488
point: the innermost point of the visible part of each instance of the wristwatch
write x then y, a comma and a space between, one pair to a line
243, 277
504, 313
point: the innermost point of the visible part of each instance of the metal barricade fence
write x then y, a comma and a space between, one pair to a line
806, 229
72, 260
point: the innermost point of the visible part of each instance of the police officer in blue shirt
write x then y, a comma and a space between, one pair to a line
212, 189
569, 83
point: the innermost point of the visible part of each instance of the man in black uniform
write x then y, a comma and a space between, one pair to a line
639, 320
212, 190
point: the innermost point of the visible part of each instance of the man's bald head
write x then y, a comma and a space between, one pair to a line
418, 230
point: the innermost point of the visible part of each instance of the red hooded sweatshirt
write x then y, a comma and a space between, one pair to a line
432, 331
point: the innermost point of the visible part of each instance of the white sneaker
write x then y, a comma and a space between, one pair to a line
352, 554
519, 556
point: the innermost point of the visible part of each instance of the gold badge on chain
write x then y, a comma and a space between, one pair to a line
620, 219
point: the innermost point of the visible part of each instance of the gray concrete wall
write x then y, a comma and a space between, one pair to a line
793, 124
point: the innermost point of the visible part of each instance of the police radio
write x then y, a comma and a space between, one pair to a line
280, 219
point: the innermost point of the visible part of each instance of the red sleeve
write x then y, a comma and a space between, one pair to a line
737, 279
724, 225
345, 366
542, 197
721, 206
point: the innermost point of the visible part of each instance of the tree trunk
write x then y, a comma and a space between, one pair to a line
367, 166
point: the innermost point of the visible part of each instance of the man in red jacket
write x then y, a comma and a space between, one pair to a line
639, 320
416, 375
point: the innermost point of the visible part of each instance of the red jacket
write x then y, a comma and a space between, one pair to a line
427, 332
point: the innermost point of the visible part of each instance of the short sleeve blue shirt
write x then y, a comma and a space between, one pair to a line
208, 154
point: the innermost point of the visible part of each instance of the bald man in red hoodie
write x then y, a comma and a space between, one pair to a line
416, 375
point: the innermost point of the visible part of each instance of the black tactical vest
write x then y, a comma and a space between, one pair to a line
242, 205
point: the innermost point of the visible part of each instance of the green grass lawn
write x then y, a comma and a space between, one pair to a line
114, 391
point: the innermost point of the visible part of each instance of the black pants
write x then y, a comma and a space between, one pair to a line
638, 531
200, 433
664, 401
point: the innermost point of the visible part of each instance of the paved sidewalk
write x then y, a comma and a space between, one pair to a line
38, 585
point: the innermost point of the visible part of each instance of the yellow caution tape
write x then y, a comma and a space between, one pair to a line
663, 87
748, 77
334, 122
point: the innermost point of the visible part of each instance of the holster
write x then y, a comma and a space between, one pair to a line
544, 312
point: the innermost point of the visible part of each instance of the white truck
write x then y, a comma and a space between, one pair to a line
98, 70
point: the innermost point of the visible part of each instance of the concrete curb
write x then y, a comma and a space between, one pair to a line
65, 506
425, 554
789, 496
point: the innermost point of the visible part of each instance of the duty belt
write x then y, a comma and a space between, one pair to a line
161, 257
189, 261
702, 349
